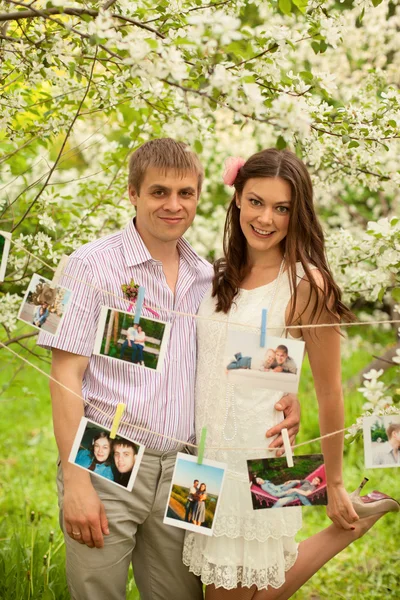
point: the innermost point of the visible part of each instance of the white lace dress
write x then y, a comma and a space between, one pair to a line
248, 546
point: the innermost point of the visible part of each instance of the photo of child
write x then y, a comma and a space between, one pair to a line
277, 367
44, 306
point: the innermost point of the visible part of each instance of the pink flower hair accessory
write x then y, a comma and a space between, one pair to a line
232, 166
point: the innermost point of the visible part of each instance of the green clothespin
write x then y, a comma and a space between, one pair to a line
201, 446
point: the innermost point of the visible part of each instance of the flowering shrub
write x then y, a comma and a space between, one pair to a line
84, 84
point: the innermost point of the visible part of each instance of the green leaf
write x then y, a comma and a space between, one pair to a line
396, 294
354, 144
345, 139
315, 47
301, 5
323, 46
377, 2
306, 76
285, 6
198, 146
381, 294
281, 143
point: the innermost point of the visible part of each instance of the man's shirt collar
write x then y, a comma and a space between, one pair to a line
136, 252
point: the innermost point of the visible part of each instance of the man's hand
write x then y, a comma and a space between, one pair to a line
84, 515
291, 410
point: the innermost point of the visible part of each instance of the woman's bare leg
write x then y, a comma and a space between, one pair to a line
314, 553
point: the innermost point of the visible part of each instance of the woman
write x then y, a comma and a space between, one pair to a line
199, 513
98, 458
273, 258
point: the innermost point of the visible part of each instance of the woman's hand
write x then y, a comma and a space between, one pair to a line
340, 509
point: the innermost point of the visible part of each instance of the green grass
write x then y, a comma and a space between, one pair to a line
368, 569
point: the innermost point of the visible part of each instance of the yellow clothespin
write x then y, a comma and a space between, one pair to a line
60, 270
288, 449
202, 444
117, 418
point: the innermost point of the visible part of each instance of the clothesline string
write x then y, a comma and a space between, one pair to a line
204, 318
156, 433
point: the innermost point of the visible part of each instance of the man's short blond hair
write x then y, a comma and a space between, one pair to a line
393, 427
164, 154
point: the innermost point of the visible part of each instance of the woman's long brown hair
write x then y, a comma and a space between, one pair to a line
303, 243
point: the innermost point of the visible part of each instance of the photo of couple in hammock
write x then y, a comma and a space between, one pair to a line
274, 485
275, 366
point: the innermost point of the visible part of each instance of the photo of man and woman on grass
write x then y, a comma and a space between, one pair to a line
277, 366
5, 242
116, 460
142, 344
275, 485
194, 494
44, 305
382, 441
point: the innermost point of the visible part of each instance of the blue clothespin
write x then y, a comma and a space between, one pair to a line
263, 327
139, 304
202, 444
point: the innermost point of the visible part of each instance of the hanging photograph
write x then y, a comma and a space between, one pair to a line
142, 344
116, 460
275, 367
44, 306
381, 441
5, 242
194, 494
275, 485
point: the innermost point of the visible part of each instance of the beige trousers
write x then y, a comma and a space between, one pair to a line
137, 535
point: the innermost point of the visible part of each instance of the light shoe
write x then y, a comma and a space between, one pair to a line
373, 503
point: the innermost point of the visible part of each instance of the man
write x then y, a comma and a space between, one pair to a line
391, 457
300, 493
165, 180
139, 346
191, 500
131, 335
285, 364
124, 453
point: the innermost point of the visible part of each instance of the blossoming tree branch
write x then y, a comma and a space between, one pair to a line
83, 84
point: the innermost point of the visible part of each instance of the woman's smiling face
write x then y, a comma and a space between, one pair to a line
264, 212
102, 449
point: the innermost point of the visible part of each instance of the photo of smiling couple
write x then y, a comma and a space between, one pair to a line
274, 258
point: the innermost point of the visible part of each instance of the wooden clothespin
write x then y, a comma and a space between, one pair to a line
117, 419
202, 444
139, 304
60, 270
263, 327
287, 446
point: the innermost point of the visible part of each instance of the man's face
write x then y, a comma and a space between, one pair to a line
316, 481
396, 438
124, 458
280, 356
166, 204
